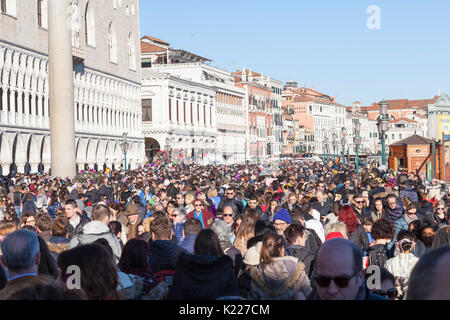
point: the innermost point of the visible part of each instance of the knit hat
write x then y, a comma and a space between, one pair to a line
283, 215
333, 235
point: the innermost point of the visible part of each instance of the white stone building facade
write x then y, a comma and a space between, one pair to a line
228, 112
180, 117
107, 80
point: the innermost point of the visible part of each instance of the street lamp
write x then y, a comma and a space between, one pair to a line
325, 145
124, 146
383, 126
357, 141
344, 133
335, 144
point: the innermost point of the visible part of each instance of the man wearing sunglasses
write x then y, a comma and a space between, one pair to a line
231, 200
361, 211
339, 274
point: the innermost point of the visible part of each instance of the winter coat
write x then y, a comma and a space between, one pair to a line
433, 219
53, 208
235, 255
92, 196
29, 206
107, 191
207, 217
409, 192
377, 255
163, 255
359, 237
96, 230
401, 265
303, 255
144, 199
202, 277
71, 231
324, 209
283, 279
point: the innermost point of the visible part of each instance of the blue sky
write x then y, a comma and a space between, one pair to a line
322, 43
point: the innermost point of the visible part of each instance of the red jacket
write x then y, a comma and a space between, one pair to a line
207, 216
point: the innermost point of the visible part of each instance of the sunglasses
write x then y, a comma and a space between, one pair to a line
198, 205
360, 202
440, 208
230, 194
391, 293
227, 215
341, 282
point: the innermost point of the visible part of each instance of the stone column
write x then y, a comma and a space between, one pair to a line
62, 125
4, 98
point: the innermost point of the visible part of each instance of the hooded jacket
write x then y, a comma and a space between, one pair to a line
96, 230
164, 255
283, 279
410, 193
203, 277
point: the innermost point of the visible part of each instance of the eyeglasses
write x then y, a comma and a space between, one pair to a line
198, 205
440, 208
230, 194
391, 293
281, 224
227, 215
359, 202
174, 215
341, 281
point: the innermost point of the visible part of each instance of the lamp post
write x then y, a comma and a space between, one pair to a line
124, 146
335, 145
357, 141
344, 133
383, 126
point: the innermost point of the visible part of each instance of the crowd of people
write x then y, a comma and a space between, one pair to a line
285, 230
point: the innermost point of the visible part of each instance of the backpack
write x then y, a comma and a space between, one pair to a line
377, 257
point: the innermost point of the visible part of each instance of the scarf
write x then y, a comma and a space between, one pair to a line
394, 215
199, 217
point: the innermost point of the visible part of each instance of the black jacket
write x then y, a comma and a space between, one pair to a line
163, 255
201, 277
435, 221
107, 191
377, 255
71, 231
92, 196
365, 213
359, 237
324, 209
304, 255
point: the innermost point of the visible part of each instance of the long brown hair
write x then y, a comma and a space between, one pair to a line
271, 248
246, 229
99, 278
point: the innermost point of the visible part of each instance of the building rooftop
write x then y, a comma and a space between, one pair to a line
413, 140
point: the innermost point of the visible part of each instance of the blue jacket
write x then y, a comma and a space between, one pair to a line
178, 231
143, 198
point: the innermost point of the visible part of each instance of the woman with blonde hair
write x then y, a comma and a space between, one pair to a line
189, 199
246, 230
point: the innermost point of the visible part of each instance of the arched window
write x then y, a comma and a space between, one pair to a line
131, 53
42, 13
90, 25
112, 44
8, 7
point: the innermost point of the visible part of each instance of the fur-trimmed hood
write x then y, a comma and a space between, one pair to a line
281, 275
